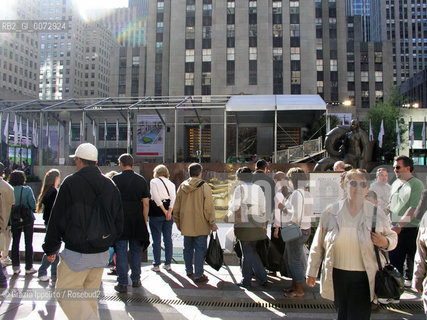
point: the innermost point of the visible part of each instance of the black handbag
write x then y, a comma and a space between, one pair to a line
389, 282
214, 255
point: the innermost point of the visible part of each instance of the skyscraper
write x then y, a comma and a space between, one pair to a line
404, 24
78, 62
19, 53
233, 47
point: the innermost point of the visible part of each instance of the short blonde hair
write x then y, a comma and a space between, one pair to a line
161, 171
360, 173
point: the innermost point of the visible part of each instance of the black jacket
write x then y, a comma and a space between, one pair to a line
133, 188
72, 207
268, 187
48, 201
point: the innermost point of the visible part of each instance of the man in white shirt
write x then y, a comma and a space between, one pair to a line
382, 188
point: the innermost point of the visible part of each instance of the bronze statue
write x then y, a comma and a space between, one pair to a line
347, 143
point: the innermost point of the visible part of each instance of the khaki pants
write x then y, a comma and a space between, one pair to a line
68, 280
5, 237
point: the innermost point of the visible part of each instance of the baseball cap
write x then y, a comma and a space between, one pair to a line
86, 151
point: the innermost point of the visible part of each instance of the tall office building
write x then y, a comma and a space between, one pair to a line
61, 54
404, 24
19, 53
129, 29
141, 7
233, 47
76, 63
361, 8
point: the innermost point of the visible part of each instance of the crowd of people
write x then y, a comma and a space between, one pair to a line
128, 210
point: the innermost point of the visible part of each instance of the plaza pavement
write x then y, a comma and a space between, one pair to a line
172, 295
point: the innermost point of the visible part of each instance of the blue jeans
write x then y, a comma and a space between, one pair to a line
45, 264
251, 263
122, 267
159, 226
295, 258
195, 246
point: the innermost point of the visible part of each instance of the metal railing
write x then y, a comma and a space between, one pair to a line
295, 153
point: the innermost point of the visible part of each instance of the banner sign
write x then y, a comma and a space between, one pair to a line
150, 136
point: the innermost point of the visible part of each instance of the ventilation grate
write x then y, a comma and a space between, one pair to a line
415, 306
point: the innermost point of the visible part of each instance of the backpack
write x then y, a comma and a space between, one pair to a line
20, 214
100, 230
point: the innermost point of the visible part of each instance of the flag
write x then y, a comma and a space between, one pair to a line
34, 133
105, 133
423, 134
411, 134
397, 134
371, 133
117, 132
28, 134
36, 136
81, 131
94, 132
69, 133
15, 130
20, 130
6, 129
381, 135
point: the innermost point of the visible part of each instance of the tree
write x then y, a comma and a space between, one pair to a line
389, 111
318, 127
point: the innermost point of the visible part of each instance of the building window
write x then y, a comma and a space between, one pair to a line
252, 72
189, 79
350, 76
206, 55
333, 65
295, 53
319, 65
252, 53
378, 76
189, 55
230, 73
230, 54
364, 76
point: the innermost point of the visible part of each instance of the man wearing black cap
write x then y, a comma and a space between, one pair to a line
82, 261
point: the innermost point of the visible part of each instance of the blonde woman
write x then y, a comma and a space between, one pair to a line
163, 194
45, 203
296, 209
345, 243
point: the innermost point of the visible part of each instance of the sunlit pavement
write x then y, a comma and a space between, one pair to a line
172, 295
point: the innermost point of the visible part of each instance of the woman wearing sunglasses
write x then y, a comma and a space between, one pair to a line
345, 243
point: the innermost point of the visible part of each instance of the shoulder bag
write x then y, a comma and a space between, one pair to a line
155, 210
389, 282
291, 231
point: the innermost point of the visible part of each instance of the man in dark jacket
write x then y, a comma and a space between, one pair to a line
81, 262
135, 198
267, 185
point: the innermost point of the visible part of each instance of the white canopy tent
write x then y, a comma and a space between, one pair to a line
275, 103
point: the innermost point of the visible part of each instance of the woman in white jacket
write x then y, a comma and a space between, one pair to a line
345, 243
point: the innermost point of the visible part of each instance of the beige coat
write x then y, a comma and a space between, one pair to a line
193, 211
7, 199
420, 276
322, 248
